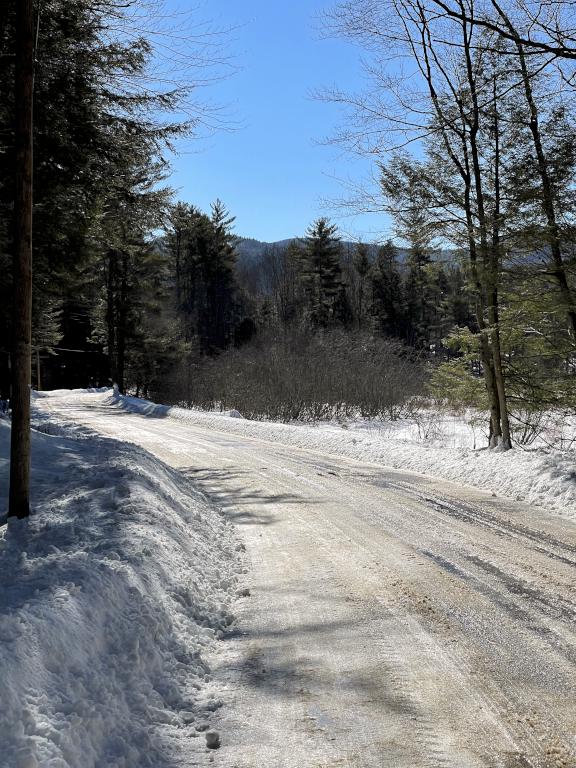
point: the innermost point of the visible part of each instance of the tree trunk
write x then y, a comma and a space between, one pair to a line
489, 252
493, 311
178, 266
111, 314
499, 375
19, 503
121, 328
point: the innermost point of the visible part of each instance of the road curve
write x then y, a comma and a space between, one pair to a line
393, 621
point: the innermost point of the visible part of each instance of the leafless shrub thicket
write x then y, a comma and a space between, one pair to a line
296, 376
429, 421
554, 428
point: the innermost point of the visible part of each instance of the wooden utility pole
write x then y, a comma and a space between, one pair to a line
19, 505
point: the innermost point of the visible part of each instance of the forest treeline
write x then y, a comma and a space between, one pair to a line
312, 329
474, 146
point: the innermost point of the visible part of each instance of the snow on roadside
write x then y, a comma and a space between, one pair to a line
111, 595
543, 477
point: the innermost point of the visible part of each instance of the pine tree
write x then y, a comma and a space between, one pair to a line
288, 286
387, 294
153, 342
135, 206
93, 115
218, 323
321, 275
362, 268
204, 256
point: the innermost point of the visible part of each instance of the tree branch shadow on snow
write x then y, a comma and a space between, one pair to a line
236, 494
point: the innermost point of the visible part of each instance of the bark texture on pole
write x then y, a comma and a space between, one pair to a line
19, 504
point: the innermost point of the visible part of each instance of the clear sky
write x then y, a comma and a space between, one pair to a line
272, 172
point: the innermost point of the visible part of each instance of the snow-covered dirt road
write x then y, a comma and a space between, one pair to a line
393, 620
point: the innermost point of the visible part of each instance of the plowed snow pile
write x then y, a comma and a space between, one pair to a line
110, 594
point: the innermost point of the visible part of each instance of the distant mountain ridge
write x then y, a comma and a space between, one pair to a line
251, 250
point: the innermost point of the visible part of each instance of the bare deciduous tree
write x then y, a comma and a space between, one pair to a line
441, 95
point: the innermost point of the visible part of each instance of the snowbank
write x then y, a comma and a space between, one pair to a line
110, 595
540, 476
68, 392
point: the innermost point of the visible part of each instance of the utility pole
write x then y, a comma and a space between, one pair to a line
19, 504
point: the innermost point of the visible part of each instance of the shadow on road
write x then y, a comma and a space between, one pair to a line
233, 491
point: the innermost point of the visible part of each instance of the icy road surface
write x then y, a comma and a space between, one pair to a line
393, 621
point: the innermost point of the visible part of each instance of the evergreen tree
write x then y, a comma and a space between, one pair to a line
216, 327
94, 119
154, 344
321, 275
413, 226
134, 207
204, 254
362, 268
288, 286
387, 294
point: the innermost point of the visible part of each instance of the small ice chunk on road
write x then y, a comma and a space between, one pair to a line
212, 739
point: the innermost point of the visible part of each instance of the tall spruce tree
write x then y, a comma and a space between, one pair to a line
217, 325
362, 268
98, 106
387, 295
203, 250
321, 275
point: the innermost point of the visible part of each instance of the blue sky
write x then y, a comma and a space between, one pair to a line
271, 171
